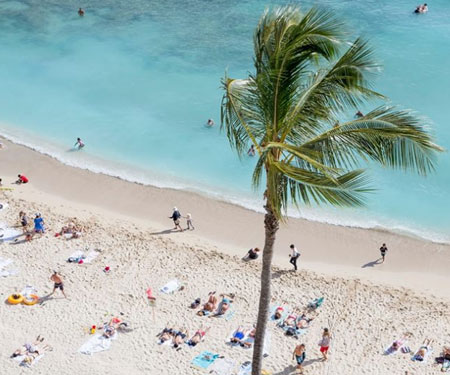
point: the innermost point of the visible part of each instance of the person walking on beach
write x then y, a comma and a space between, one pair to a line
79, 143
324, 343
57, 279
252, 254
383, 250
294, 256
39, 224
176, 219
299, 355
189, 222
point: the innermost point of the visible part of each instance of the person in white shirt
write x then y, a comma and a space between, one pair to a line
294, 256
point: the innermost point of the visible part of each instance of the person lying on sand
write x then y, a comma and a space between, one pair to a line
198, 336
303, 320
238, 335
278, 312
179, 337
110, 328
290, 320
227, 300
248, 342
423, 350
209, 306
165, 335
72, 229
32, 351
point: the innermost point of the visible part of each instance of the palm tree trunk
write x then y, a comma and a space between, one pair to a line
271, 225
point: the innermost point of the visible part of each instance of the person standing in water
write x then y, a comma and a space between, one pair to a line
383, 250
57, 279
81, 12
210, 122
79, 143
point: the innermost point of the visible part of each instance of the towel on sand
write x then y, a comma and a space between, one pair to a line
97, 343
204, 360
171, 287
7, 233
223, 366
21, 358
80, 255
4, 262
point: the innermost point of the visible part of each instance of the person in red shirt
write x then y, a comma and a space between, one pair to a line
22, 179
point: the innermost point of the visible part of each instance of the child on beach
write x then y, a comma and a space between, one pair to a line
324, 343
39, 224
189, 222
23, 221
79, 143
21, 179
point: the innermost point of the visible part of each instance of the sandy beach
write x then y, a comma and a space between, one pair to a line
367, 304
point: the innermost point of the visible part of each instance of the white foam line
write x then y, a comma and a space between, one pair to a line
146, 177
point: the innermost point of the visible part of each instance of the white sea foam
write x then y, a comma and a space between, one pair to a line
349, 218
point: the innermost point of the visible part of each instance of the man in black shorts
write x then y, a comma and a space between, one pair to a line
383, 250
57, 279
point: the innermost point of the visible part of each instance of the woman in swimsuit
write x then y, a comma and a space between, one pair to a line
165, 335
290, 320
209, 306
423, 350
225, 303
179, 338
198, 336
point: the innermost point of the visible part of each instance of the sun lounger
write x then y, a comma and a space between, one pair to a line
204, 360
171, 287
97, 343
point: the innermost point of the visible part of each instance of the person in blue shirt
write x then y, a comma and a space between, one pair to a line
39, 224
176, 219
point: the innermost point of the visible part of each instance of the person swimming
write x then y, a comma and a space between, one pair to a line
210, 122
81, 12
251, 151
423, 8
79, 143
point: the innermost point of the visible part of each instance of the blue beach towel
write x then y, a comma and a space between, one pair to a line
204, 360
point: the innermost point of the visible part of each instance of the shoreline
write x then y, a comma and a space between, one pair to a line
327, 249
100, 166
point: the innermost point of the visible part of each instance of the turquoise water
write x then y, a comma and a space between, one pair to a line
138, 79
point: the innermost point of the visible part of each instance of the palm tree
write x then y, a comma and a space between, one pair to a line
293, 109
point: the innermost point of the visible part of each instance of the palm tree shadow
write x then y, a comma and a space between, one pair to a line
372, 264
290, 370
279, 273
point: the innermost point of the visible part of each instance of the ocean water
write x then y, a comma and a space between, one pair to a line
137, 80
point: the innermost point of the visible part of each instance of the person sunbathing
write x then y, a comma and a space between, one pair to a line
110, 328
227, 300
290, 320
423, 350
198, 336
209, 306
446, 353
28, 348
278, 312
248, 342
238, 335
303, 320
179, 337
165, 335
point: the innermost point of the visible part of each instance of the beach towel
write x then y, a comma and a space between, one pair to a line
3, 205
171, 287
76, 256
4, 263
222, 366
21, 358
8, 234
228, 314
445, 366
204, 360
97, 343
316, 303
427, 354
245, 368
272, 311
91, 256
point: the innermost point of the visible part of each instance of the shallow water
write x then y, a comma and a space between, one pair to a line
137, 80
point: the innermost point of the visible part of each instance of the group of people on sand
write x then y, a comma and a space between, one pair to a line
213, 306
176, 216
39, 225
178, 337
